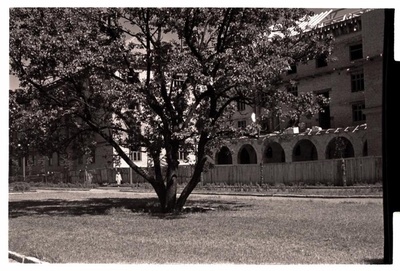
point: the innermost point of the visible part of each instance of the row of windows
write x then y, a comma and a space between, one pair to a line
133, 77
356, 82
355, 53
136, 156
33, 160
50, 161
357, 115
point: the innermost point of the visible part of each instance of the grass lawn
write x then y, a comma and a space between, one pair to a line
111, 227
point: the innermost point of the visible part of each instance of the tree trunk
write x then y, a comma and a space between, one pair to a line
168, 205
196, 177
198, 169
170, 193
160, 191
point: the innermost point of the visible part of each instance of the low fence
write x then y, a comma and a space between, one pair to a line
99, 176
130, 176
331, 172
334, 171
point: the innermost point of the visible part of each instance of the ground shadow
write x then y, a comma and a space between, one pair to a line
104, 206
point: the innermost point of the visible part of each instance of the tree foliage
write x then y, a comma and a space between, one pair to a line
163, 79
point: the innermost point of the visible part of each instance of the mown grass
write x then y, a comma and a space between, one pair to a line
269, 189
111, 227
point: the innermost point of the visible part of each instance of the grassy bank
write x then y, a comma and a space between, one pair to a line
111, 227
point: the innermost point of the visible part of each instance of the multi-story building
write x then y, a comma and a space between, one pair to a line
351, 77
102, 156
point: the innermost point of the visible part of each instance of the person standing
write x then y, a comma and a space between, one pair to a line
118, 178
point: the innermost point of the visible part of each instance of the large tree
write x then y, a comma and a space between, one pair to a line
162, 79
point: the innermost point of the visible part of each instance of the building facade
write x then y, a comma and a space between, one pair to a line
351, 77
351, 126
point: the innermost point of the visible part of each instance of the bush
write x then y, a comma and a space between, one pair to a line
87, 185
281, 187
20, 187
65, 185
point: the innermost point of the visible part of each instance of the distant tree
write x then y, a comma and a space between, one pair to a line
163, 79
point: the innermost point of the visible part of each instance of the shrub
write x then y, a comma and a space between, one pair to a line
88, 185
281, 187
21, 187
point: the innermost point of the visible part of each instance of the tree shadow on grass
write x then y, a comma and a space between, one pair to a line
108, 206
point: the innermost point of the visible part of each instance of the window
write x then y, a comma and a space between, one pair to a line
357, 82
293, 69
241, 106
321, 61
137, 155
177, 81
356, 52
241, 124
182, 155
292, 89
357, 110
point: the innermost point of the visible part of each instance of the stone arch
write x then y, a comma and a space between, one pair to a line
274, 153
339, 147
223, 156
247, 155
304, 150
